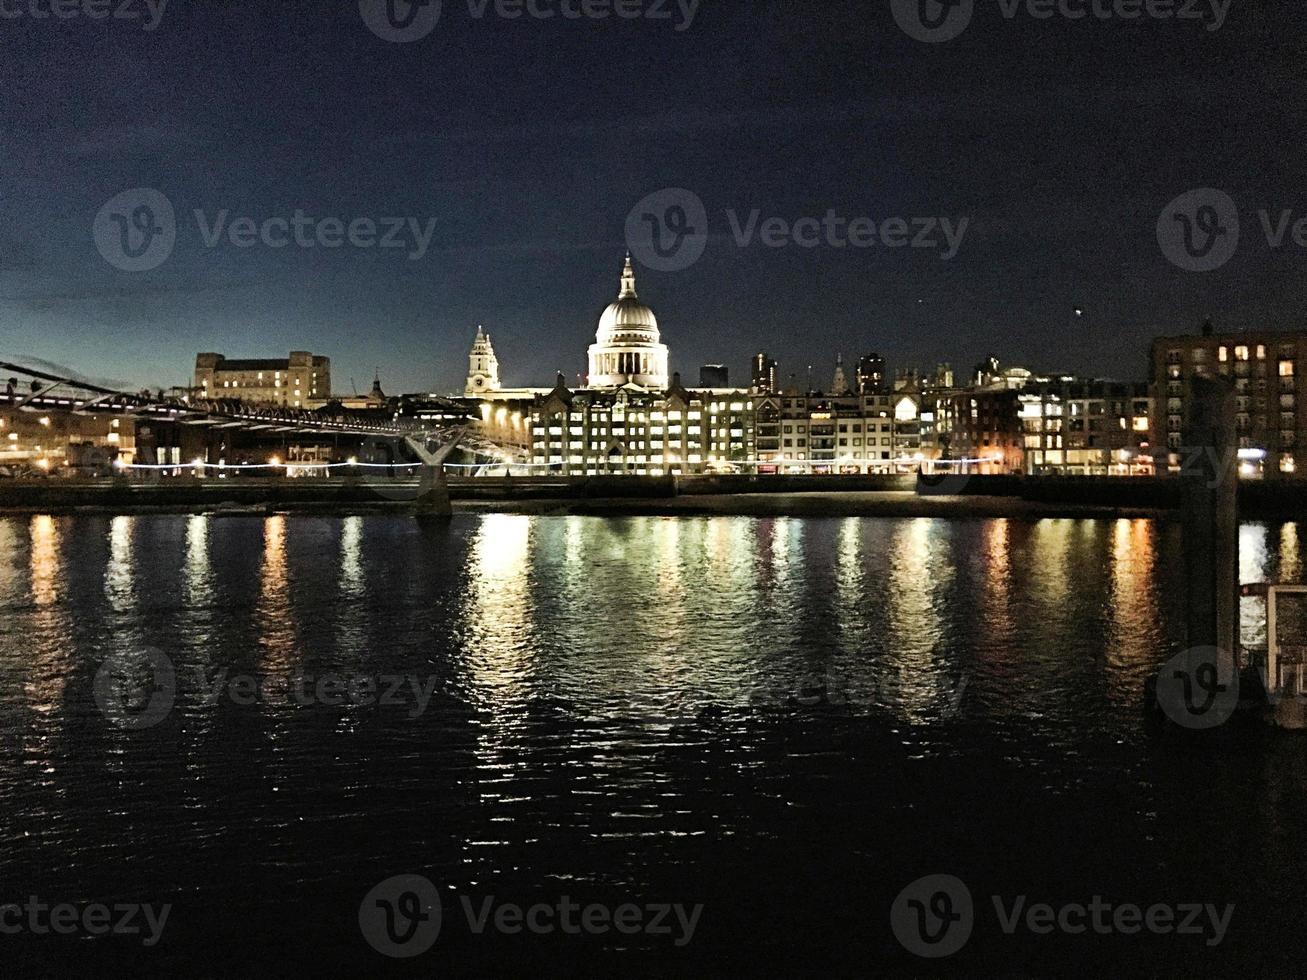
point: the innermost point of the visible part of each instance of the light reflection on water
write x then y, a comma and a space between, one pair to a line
613, 697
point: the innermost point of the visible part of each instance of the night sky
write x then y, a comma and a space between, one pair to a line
529, 142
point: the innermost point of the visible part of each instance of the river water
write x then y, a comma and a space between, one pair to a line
784, 721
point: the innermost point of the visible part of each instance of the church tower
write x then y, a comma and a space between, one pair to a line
839, 385
483, 367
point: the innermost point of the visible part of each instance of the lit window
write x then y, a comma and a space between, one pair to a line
1241, 353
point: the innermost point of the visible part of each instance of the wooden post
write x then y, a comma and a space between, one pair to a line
1210, 505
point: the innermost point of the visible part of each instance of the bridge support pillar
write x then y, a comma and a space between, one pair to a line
433, 492
433, 489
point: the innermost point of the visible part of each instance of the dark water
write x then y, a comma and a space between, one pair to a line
784, 720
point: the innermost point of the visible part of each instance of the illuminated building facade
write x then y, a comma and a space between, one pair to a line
765, 375
1266, 369
819, 433
1086, 428
624, 421
982, 427
61, 442
302, 380
594, 431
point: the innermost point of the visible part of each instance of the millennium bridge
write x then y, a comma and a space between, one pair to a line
401, 456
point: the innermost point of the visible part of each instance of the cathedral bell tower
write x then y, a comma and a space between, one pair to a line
483, 367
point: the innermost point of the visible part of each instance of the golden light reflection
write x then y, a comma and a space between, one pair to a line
44, 562
573, 540
851, 621
787, 548
850, 558
1050, 551
1290, 554
120, 576
916, 570
351, 557
668, 555
1133, 607
278, 635
49, 654
1254, 553
198, 571
730, 560
997, 606
499, 607
9, 569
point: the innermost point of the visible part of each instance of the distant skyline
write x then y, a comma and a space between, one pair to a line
520, 147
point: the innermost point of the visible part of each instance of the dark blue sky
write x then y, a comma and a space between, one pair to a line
529, 142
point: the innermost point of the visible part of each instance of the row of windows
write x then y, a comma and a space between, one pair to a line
1241, 352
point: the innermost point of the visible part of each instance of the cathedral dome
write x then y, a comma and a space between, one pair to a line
627, 320
627, 348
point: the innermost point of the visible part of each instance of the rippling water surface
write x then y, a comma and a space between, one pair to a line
784, 720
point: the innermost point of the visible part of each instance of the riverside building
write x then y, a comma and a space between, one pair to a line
1266, 369
632, 417
302, 380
